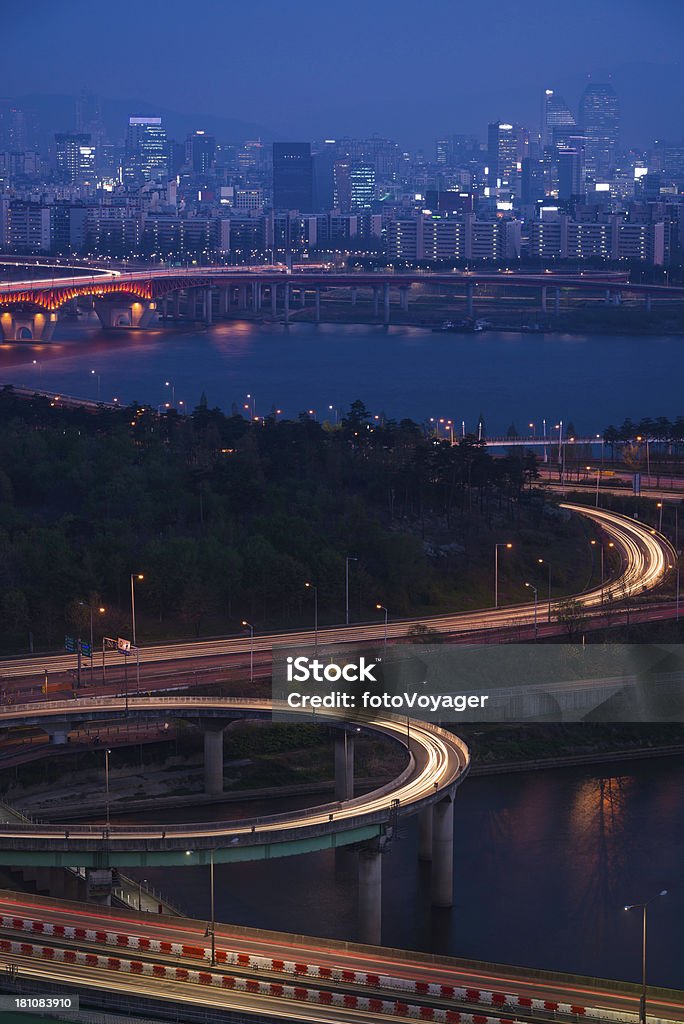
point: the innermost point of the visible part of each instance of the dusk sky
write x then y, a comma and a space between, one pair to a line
308, 68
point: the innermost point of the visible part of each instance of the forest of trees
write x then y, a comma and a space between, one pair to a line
228, 519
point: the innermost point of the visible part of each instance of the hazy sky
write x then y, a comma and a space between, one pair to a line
313, 68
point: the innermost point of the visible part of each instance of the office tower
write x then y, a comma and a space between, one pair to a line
292, 176
362, 186
506, 149
556, 119
146, 155
75, 156
324, 156
200, 150
600, 121
342, 186
571, 172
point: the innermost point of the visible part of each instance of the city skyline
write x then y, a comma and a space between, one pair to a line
365, 90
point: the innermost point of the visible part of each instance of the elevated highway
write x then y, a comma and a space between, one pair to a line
647, 557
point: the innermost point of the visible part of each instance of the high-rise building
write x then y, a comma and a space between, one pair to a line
506, 148
556, 119
362, 186
600, 121
292, 176
146, 155
342, 186
75, 156
200, 150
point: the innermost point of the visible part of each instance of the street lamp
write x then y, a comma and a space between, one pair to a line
101, 610
315, 594
548, 565
134, 576
107, 753
347, 560
643, 907
170, 384
535, 607
211, 929
381, 608
659, 506
508, 546
250, 627
598, 481
94, 373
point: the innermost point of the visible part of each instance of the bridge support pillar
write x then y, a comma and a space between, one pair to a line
344, 767
114, 313
207, 310
470, 304
354, 295
647, 302
556, 301
224, 302
425, 834
370, 895
213, 758
404, 299
242, 296
376, 301
287, 304
27, 326
99, 886
302, 297
386, 303
274, 300
318, 304
176, 305
544, 296
443, 853
59, 736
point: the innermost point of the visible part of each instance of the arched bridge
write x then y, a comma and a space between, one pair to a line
30, 309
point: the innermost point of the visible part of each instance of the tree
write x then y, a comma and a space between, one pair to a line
571, 615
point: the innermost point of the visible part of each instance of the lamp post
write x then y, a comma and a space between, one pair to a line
92, 658
315, 594
347, 560
508, 546
659, 506
643, 907
170, 384
134, 576
250, 627
212, 927
382, 608
598, 481
535, 607
548, 566
107, 753
94, 373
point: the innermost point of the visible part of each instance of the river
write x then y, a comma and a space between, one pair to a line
544, 864
590, 381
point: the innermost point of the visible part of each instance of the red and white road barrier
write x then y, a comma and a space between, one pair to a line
499, 1002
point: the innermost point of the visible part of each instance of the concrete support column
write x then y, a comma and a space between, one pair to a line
544, 295
99, 886
287, 304
386, 303
404, 298
213, 758
60, 736
556, 301
354, 295
443, 853
376, 301
425, 834
470, 291
165, 307
647, 302
224, 302
318, 304
242, 296
255, 296
302, 297
609, 297
208, 308
370, 895
176, 304
344, 767
274, 299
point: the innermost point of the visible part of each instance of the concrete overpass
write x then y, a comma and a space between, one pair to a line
30, 310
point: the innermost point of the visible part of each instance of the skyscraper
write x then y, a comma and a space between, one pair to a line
506, 149
292, 176
362, 186
146, 150
75, 156
600, 120
556, 119
200, 150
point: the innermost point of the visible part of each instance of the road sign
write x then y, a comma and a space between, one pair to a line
70, 644
109, 643
86, 649
637, 483
123, 645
